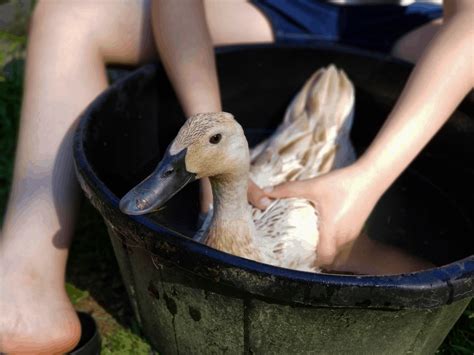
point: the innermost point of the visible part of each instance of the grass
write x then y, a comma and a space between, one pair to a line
460, 340
94, 283
10, 93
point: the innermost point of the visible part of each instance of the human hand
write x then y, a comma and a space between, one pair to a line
343, 198
256, 196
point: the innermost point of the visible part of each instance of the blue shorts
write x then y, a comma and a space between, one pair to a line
373, 27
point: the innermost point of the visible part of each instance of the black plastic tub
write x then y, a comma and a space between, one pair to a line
190, 298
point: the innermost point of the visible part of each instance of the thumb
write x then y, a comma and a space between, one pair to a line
326, 249
287, 189
326, 252
257, 197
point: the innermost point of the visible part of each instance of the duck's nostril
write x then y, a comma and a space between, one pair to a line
140, 203
167, 173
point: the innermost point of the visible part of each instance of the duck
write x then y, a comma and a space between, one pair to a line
313, 138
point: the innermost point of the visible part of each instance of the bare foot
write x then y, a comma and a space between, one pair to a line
36, 314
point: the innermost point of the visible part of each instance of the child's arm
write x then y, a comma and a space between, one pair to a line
185, 48
440, 80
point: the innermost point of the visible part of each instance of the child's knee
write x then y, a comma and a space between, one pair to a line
119, 31
412, 45
54, 19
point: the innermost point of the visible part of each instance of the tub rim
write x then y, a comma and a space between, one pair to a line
450, 282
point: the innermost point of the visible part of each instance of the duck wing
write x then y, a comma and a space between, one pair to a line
312, 139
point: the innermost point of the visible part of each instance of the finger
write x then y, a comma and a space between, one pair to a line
257, 197
287, 189
326, 254
326, 250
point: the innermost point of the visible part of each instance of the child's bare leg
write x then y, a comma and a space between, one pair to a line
411, 46
64, 72
68, 46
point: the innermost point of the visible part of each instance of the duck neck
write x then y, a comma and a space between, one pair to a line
232, 228
229, 193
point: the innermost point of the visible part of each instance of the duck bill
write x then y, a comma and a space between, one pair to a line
152, 193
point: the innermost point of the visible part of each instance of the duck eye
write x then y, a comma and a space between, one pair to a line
216, 138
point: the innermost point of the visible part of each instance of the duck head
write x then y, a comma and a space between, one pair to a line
208, 145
